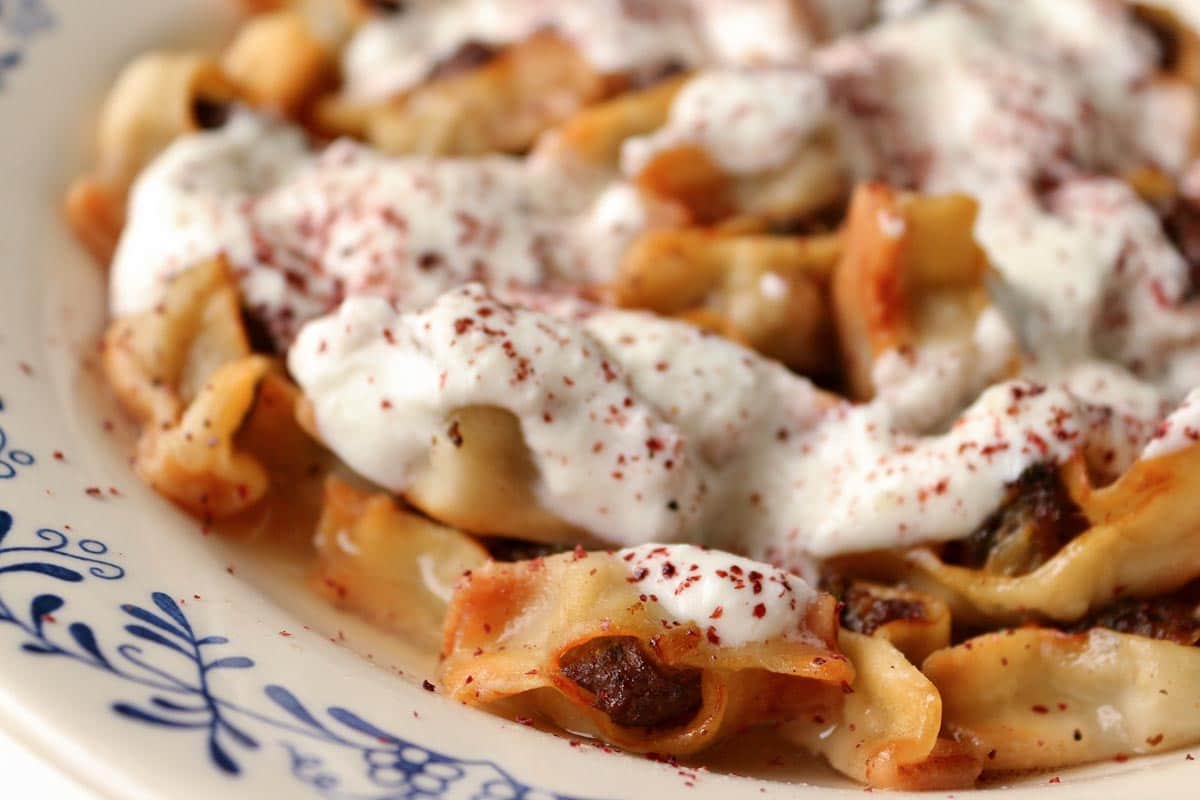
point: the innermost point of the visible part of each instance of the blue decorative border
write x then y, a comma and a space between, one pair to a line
20, 22
177, 671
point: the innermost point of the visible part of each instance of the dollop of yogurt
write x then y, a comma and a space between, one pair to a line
734, 600
1019, 105
749, 121
394, 53
647, 430
640, 38
1180, 430
303, 228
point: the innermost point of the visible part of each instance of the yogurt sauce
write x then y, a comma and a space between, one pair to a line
1179, 430
303, 229
392, 54
1015, 104
733, 600
721, 111
646, 430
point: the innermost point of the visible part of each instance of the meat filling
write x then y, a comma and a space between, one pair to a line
470, 55
1037, 518
631, 687
1172, 619
502, 548
1182, 224
863, 611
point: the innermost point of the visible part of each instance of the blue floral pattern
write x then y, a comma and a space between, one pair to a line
20, 22
177, 671
11, 458
177, 668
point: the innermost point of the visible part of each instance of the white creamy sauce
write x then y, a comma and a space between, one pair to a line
395, 53
752, 31
733, 600
926, 386
1123, 282
749, 121
1181, 429
641, 38
304, 229
188, 206
993, 91
646, 430
995, 99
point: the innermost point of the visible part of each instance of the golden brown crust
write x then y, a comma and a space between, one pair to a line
812, 182
590, 140
910, 273
196, 462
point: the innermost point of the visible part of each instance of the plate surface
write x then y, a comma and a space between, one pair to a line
152, 661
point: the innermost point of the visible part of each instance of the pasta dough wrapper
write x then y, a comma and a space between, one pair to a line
501, 106
1144, 541
811, 182
1039, 698
387, 564
910, 274
157, 98
216, 420
589, 142
887, 732
513, 627
767, 292
278, 62
479, 477
196, 462
156, 362
914, 623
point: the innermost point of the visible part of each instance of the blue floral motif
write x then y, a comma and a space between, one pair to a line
11, 459
20, 22
174, 666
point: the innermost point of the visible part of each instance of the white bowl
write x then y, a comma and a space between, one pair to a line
152, 661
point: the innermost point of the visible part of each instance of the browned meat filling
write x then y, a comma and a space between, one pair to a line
1182, 224
822, 221
468, 56
386, 6
1037, 518
501, 548
863, 611
209, 114
1172, 619
629, 686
